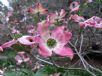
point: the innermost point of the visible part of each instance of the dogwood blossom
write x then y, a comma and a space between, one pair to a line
38, 9
21, 57
57, 16
54, 41
92, 22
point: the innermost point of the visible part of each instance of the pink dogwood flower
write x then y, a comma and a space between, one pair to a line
74, 6
8, 44
57, 16
97, 21
55, 41
38, 9
21, 57
27, 40
92, 22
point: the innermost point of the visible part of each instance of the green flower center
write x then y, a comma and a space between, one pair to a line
51, 43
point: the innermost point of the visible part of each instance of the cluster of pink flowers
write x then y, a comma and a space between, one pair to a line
51, 40
94, 21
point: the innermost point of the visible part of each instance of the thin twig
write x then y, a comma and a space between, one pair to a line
80, 49
45, 61
82, 59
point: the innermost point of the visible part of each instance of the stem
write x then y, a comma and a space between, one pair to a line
44, 60
83, 60
78, 54
80, 49
93, 33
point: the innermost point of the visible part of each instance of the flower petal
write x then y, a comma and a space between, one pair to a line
27, 40
39, 9
43, 28
21, 57
51, 17
65, 51
42, 10
9, 43
62, 35
62, 13
44, 50
77, 18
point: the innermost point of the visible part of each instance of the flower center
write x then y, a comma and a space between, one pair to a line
51, 42
30, 39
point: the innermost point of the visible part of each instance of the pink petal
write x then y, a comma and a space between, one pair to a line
18, 59
65, 51
9, 44
43, 28
62, 13
21, 57
42, 10
39, 9
77, 18
62, 35
51, 17
82, 24
57, 31
98, 25
43, 50
27, 40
